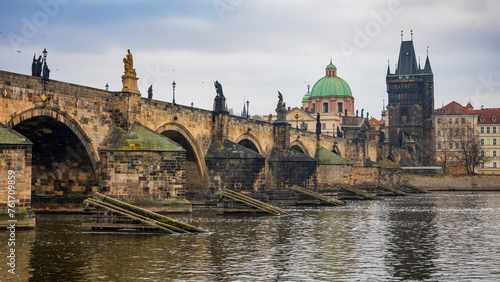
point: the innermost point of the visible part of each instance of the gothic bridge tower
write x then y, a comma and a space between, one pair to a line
411, 106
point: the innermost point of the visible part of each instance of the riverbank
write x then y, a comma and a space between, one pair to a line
454, 182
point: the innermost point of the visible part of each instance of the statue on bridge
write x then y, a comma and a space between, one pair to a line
218, 89
150, 92
129, 64
318, 125
36, 66
281, 108
46, 72
339, 132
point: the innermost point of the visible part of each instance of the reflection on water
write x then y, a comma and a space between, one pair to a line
434, 237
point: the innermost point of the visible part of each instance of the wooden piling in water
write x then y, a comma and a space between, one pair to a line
388, 190
355, 193
147, 213
258, 205
412, 189
316, 195
139, 215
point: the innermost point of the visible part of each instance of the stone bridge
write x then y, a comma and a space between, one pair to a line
80, 135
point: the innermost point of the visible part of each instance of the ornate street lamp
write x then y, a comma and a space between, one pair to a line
44, 55
107, 87
248, 109
297, 120
173, 91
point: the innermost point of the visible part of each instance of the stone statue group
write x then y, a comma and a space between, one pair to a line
36, 66
40, 69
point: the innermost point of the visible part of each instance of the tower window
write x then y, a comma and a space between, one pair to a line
404, 115
325, 107
313, 108
340, 108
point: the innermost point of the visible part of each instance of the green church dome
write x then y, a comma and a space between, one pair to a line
306, 97
331, 66
331, 86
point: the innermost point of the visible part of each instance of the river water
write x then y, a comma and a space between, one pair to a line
441, 236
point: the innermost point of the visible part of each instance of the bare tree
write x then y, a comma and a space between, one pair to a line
444, 142
467, 150
470, 148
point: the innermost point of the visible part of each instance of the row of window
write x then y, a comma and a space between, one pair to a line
451, 120
494, 165
486, 129
493, 141
323, 126
450, 145
404, 96
340, 107
487, 154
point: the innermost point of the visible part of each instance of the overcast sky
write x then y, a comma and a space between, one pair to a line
255, 48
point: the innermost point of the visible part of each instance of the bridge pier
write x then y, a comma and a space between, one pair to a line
145, 168
15, 175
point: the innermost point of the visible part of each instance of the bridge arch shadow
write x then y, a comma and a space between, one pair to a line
297, 145
195, 161
64, 162
251, 142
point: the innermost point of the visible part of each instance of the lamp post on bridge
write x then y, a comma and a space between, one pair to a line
248, 109
173, 92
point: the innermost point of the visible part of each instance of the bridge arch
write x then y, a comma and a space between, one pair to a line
251, 142
64, 160
297, 145
195, 160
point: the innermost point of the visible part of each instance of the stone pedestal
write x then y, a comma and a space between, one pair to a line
281, 132
130, 83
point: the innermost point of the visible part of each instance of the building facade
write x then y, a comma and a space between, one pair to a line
488, 126
330, 97
448, 121
485, 124
410, 108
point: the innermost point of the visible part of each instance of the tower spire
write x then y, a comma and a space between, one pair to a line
411, 34
401, 35
388, 66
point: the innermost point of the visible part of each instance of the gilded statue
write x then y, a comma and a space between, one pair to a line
129, 64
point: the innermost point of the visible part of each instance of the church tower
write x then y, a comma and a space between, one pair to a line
411, 107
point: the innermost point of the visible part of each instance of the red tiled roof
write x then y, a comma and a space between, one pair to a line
488, 116
455, 108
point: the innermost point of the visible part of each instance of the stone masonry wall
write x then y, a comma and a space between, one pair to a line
143, 175
454, 182
241, 175
286, 174
17, 159
331, 175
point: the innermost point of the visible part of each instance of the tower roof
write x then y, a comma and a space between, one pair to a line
427, 67
407, 62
